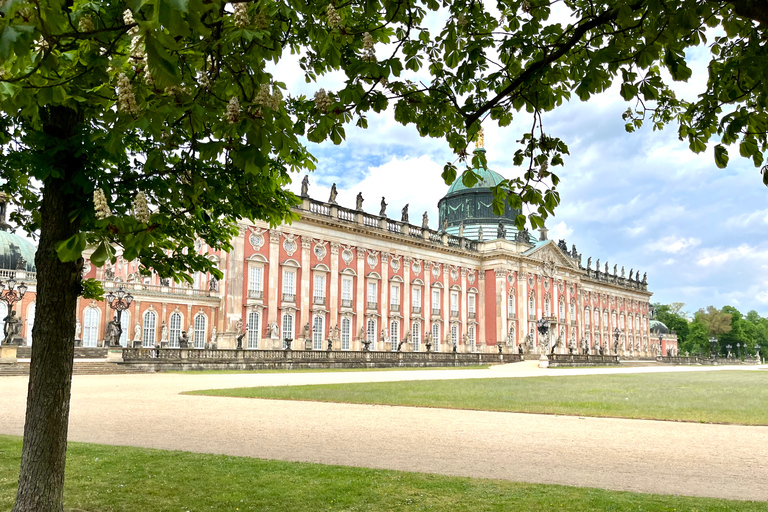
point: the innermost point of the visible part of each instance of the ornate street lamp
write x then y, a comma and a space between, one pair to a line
11, 296
738, 350
543, 327
728, 347
713, 342
120, 300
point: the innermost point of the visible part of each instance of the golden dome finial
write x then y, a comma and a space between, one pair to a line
480, 140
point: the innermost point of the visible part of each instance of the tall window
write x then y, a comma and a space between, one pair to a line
455, 334
394, 294
573, 311
90, 327
125, 324
394, 333
562, 310
471, 336
150, 326
372, 293
546, 306
597, 318
287, 328
511, 306
317, 332
346, 327
370, 333
621, 321
613, 319
289, 285
436, 336
587, 317
254, 281
436, 300
416, 335
254, 328
200, 331
319, 291
416, 296
605, 319
174, 330
346, 291
471, 303
455, 303
532, 306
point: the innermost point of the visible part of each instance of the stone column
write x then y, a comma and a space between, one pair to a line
306, 282
426, 302
274, 275
463, 303
333, 296
405, 308
384, 292
445, 309
481, 334
361, 293
501, 303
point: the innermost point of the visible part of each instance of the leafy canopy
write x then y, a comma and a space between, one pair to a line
176, 98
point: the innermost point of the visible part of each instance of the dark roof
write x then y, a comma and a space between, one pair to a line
12, 247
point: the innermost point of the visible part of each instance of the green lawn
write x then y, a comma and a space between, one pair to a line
717, 397
332, 370
108, 478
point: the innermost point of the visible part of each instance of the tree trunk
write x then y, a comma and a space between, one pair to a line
41, 480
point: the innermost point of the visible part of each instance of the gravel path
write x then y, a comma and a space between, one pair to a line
635, 455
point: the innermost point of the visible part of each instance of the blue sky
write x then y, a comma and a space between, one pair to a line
640, 200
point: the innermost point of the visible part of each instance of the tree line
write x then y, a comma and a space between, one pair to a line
727, 325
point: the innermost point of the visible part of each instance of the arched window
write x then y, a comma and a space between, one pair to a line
125, 324
200, 330
175, 330
621, 321
587, 317
416, 335
394, 333
346, 327
370, 333
471, 335
90, 327
613, 319
30, 321
254, 328
150, 325
287, 329
436, 337
455, 335
317, 332
597, 318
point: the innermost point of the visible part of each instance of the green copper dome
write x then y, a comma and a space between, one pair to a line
11, 248
472, 208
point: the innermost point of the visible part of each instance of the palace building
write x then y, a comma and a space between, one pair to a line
348, 279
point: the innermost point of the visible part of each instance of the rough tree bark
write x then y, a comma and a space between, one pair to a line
41, 480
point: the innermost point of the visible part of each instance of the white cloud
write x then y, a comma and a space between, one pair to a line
672, 244
746, 220
560, 231
721, 255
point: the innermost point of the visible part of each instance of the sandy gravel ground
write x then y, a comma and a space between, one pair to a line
725, 461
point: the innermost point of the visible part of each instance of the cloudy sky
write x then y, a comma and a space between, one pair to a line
640, 200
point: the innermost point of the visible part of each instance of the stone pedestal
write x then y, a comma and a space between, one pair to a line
307, 344
543, 361
114, 355
8, 354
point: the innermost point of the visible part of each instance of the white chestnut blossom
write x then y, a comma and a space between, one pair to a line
100, 204
140, 208
85, 24
461, 20
322, 101
267, 98
126, 101
368, 53
233, 110
242, 19
138, 52
334, 19
128, 20
203, 80
525, 6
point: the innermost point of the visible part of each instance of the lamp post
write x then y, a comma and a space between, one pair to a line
543, 327
713, 342
120, 300
728, 347
738, 350
11, 295
661, 336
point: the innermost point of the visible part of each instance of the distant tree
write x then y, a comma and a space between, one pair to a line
697, 341
672, 316
715, 321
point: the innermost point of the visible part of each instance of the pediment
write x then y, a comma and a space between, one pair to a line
550, 256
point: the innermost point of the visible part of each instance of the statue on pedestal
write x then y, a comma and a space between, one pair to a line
78, 328
334, 193
404, 214
164, 332
112, 333
183, 340
305, 186
359, 201
137, 332
383, 210
425, 221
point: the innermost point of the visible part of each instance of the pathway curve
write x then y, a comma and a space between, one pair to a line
725, 461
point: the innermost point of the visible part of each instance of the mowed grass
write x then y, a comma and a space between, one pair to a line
712, 397
110, 478
337, 370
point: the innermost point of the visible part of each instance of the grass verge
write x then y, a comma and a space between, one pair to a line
338, 370
709, 397
110, 478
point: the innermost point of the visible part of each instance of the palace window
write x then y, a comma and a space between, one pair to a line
254, 328
174, 330
319, 290
346, 292
454, 303
416, 298
289, 285
125, 323
372, 302
436, 301
573, 311
150, 324
254, 281
471, 336
546, 306
561, 316
90, 327
587, 317
455, 335
394, 295
200, 331
394, 333
287, 329
532, 305
317, 332
471, 299
436, 337
346, 328
370, 333
416, 335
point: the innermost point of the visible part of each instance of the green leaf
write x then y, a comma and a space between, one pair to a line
721, 156
72, 248
164, 69
100, 255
